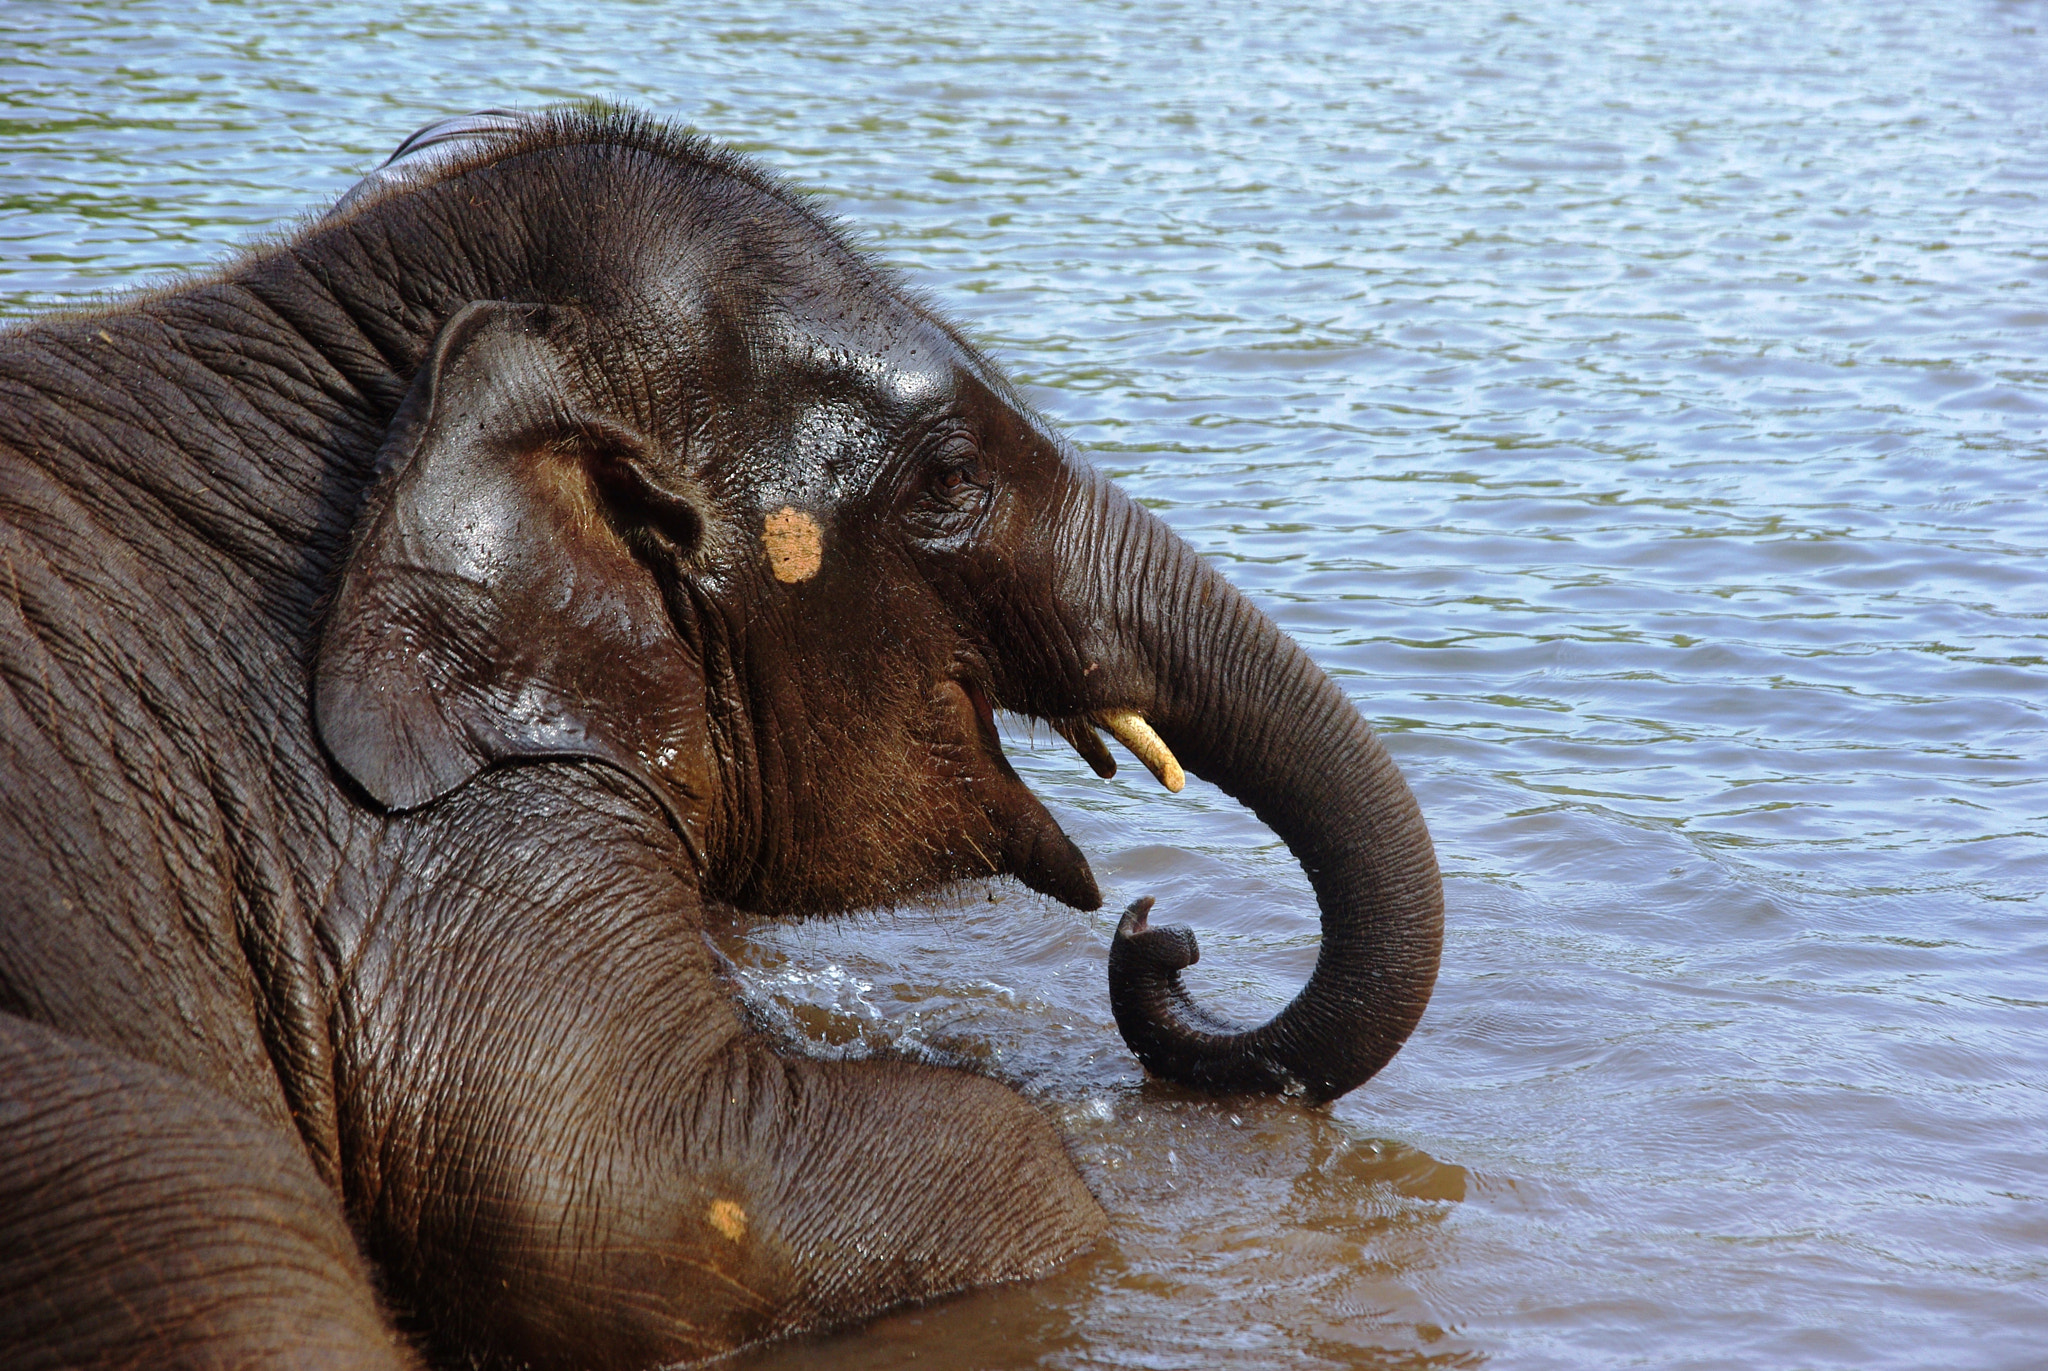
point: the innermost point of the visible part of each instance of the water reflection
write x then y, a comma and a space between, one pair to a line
1242, 1229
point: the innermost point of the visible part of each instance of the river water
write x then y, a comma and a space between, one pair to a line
1641, 407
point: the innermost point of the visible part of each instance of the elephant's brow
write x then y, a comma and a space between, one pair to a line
897, 384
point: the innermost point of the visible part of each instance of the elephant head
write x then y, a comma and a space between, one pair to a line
697, 490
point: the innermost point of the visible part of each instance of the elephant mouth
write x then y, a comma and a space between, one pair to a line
1021, 838
984, 712
1031, 845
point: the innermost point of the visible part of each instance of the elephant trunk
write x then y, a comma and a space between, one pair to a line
1242, 705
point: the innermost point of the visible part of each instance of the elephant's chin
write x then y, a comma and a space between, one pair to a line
1030, 844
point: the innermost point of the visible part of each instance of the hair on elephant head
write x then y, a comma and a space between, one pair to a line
638, 542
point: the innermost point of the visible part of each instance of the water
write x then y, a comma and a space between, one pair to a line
1642, 408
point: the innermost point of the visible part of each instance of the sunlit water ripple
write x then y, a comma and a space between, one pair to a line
1639, 407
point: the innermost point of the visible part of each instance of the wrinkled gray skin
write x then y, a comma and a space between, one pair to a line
406, 634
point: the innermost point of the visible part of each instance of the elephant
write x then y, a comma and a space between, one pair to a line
411, 629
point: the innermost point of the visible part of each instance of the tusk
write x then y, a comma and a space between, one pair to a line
1089, 744
1134, 733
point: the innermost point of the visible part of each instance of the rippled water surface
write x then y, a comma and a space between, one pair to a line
1642, 408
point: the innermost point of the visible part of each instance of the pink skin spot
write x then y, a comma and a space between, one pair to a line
794, 543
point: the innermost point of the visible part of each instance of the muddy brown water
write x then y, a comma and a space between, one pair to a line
1640, 408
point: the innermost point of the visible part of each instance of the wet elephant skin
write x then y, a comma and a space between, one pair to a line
408, 632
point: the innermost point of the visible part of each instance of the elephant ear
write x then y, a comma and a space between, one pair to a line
492, 609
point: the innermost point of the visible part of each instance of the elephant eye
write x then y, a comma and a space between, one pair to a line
956, 490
